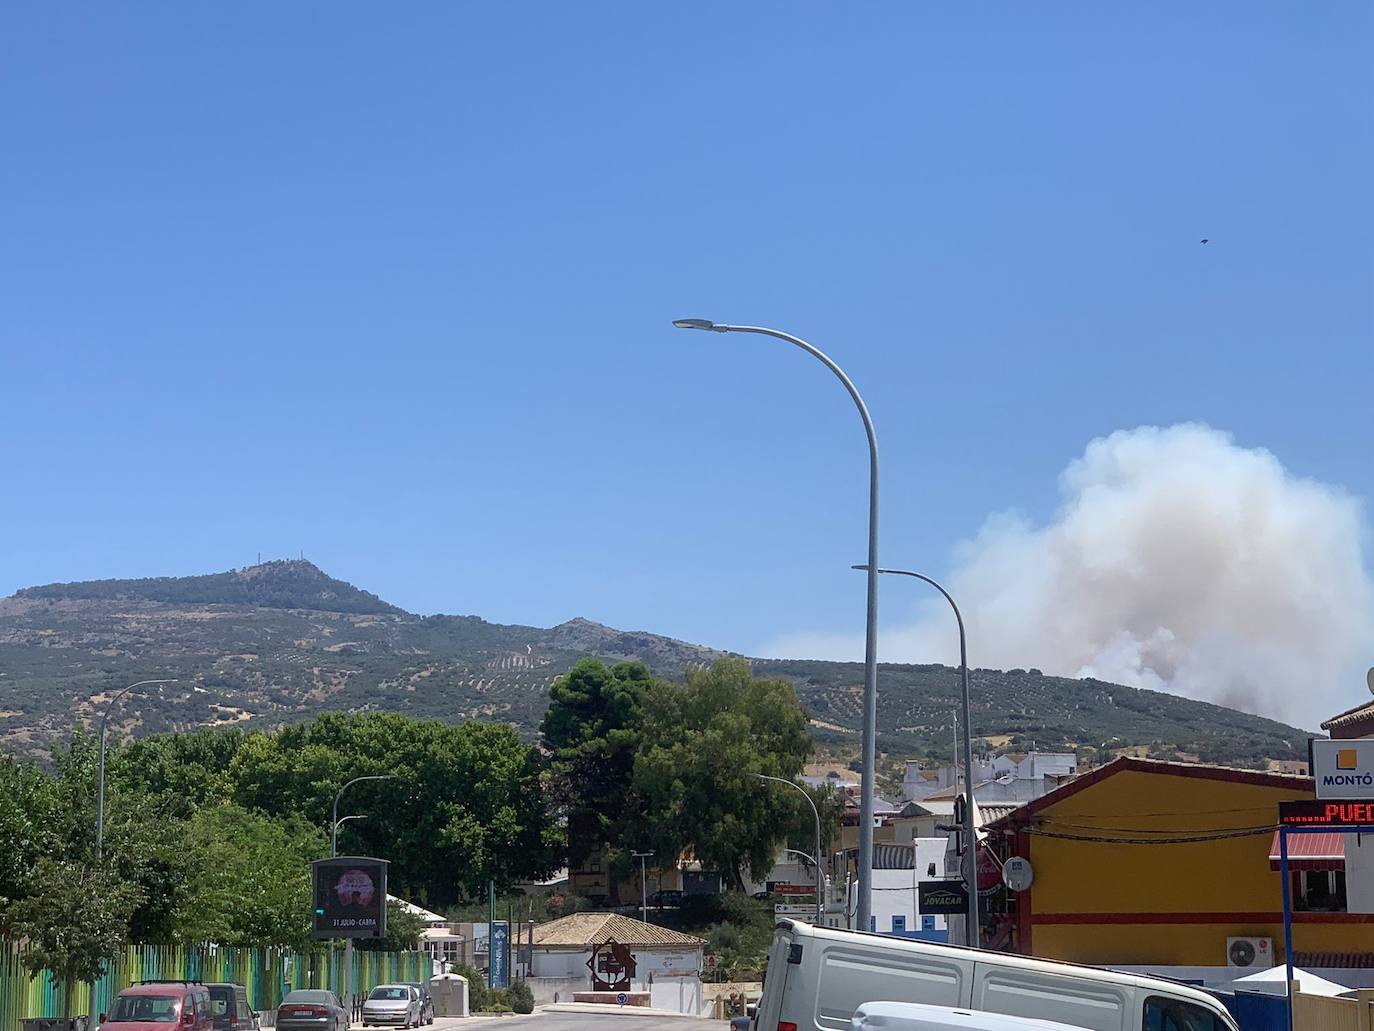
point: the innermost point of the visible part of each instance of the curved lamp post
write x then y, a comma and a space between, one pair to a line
820, 873
100, 785
868, 780
971, 842
334, 851
334, 824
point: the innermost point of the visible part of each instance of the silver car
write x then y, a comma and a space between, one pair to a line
392, 1004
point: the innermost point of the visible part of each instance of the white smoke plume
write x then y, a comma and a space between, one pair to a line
1178, 561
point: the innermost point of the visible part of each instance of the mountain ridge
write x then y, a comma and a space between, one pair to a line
282, 641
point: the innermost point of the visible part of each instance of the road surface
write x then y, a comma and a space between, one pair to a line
623, 1021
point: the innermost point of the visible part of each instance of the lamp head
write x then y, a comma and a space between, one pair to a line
697, 324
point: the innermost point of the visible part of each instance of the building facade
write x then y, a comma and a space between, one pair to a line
1144, 862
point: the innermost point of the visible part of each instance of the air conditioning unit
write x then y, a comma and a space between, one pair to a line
1252, 953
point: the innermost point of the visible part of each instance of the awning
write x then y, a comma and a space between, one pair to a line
1310, 852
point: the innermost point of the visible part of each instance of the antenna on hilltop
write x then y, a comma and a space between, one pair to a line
1369, 679
259, 558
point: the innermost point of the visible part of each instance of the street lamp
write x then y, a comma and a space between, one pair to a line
970, 841
334, 851
334, 826
100, 785
870, 722
340, 822
820, 874
643, 890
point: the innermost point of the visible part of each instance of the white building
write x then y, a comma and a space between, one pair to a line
895, 908
1016, 777
1358, 862
667, 963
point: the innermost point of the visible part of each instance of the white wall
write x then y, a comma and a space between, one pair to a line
895, 891
1359, 873
661, 962
677, 993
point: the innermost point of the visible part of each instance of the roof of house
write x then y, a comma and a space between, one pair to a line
1022, 814
428, 916
991, 812
1351, 716
583, 929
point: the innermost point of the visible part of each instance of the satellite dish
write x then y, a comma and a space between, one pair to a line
1369, 679
1017, 873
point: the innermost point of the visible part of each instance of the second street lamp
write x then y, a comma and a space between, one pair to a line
820, 873
868, 782
970, 831
334, 851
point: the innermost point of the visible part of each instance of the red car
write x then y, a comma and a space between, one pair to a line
158, 1005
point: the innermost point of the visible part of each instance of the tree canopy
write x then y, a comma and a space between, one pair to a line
702, 743
592, 732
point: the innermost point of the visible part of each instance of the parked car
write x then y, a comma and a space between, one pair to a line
666, 899
155, 1005
397, 1004
311, 1009
229, 1008
426, 1000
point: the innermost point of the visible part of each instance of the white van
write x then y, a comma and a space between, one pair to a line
818, 976
915, 1016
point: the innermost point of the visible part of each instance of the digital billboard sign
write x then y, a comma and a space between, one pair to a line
350, 897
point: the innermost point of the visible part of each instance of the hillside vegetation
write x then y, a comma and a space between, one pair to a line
282, 642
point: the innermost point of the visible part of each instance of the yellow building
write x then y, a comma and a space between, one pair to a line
1147, 862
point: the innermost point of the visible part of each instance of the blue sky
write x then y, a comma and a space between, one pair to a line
391, 286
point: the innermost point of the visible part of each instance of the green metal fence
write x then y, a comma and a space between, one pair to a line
266, 973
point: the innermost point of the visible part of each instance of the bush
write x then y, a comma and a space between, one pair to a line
477, 987
498, 1001
521, 997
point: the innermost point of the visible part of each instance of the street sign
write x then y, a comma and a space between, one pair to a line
943, 897
1017, 874
621, 998
793, 911
497, 952
350, 897
1344, 769
779, 888
1326, 814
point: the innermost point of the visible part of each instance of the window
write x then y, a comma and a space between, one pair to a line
1164, 1014
1319, 891
927, 923
159, 1009
898, 923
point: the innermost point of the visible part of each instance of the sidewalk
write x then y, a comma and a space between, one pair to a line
628, 1011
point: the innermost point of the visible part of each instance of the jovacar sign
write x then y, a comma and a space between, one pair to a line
1344, 769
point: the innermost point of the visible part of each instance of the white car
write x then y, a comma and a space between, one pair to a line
915, 1016
397, 1005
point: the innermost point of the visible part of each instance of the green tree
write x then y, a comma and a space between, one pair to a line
466, 804
76, 924
592, 732
402, 931
249, 879
702, 743
190, 768
26, 817
141, 845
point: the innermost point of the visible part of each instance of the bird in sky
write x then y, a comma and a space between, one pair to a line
1203, 240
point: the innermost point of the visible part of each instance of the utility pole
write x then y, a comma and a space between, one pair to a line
643, 889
